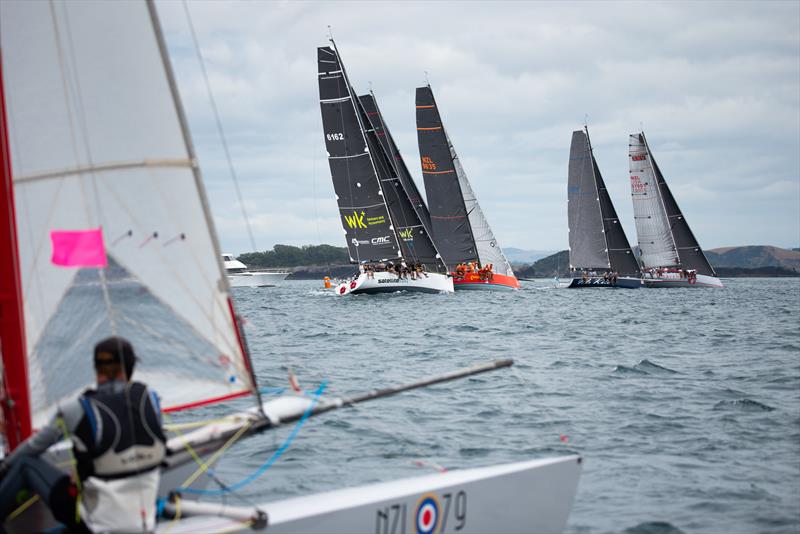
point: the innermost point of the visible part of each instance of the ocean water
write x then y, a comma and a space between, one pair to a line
685, 403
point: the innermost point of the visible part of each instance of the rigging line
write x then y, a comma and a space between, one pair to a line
219, 126
272, 459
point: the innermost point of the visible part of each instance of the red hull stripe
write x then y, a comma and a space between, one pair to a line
497, 280
206, 402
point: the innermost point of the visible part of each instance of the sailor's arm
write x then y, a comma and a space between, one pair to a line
70, 414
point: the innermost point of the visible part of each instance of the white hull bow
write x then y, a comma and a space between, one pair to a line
701, 280
256, 279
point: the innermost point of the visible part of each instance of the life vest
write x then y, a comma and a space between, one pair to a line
120, 433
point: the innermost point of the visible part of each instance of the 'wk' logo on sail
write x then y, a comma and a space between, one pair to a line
356, 221
407, 234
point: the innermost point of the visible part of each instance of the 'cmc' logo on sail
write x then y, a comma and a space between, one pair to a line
356, 221
381, 240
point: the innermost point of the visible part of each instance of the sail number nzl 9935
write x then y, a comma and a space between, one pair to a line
335, 136
432, 514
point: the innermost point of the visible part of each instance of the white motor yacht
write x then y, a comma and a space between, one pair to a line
239, 276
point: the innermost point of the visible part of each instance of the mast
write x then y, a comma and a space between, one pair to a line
356, 105
198, 179
15, 401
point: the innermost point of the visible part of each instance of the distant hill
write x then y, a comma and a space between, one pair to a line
518, 255
287, 256
756, 261
754, 256
554, 265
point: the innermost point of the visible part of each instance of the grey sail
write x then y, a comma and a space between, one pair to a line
364, 215
451, 227
587, 241
401, 195
665, 239
618, 250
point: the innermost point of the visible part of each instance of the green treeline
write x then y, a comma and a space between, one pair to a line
289, 256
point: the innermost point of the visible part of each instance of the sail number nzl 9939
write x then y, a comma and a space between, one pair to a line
432, 514
335, 136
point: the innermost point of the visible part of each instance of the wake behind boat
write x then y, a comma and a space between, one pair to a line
380, 218
669, 253
599, 253
460, 229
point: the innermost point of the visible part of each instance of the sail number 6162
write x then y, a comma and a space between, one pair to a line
335, 137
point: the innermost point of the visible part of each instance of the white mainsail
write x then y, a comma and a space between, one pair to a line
656, 244
488, 249
97, 140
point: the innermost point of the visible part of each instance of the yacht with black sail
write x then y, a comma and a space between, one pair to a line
670, 255
460, 229
599, 252
385, 234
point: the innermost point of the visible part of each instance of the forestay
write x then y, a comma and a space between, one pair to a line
100, 143
364, 215
461, 231
406, 207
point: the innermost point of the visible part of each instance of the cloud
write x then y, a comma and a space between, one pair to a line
716, 90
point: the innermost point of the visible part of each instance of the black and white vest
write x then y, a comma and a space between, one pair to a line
120, 433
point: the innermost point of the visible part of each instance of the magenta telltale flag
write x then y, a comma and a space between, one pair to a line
78, 248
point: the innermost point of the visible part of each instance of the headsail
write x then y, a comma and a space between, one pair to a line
364, 214
657, 213
98, 139
409, 212
596, 237
460, 229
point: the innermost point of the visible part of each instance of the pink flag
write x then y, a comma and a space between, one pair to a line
78, 248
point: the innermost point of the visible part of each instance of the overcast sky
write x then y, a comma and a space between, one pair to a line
715, 85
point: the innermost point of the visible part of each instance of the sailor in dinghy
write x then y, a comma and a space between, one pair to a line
119, 445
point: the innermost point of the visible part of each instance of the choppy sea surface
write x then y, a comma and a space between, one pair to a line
685, 403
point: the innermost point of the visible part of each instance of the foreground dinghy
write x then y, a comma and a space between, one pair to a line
670, 254
599, 253
523, 497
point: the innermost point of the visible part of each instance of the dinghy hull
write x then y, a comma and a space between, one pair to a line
473, 281
383, 282
524, 497
622, 282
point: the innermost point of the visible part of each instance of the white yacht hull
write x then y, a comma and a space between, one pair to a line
700, 281
383, 282
256, 279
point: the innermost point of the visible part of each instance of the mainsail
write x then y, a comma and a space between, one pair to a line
665, 239
97, 143
408, 211
596, 237
460, 229
364, 213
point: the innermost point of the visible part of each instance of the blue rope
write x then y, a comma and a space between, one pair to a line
266, 465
